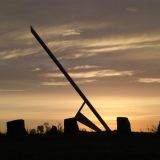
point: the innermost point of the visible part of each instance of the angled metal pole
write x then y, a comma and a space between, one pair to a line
69, 79
80, 109
84, 120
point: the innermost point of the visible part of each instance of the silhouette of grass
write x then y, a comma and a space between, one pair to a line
45, 128
82, 146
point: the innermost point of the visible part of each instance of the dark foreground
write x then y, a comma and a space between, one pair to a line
84, 146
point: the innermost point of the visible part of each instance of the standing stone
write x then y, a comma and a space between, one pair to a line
70, 126
158, 128
16, 128
123, 125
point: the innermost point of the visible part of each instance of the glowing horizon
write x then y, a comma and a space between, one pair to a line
31, 108
110, 48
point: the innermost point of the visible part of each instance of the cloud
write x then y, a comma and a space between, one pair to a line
36, 69
78, 48
11, 90
88, 47
53, 83
71, 32
61, 83
25, 36
107, 35
78, 55
123, 43
74, 28
132, 9
57, 31
84, 67
94, 74
119, 48
126, 40
16, 53
149, 80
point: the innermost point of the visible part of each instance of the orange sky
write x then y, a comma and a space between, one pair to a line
37, 109
110, 48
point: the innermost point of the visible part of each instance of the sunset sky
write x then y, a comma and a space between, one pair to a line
111, 48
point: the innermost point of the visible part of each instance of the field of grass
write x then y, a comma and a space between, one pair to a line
83, 146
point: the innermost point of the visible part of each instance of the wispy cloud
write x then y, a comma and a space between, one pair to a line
132, 9
84, 67
73, 28
11, 90
81, 47
95, 46
54, 83
60, 83
78, 55
149, 80
130, 39
17, 53
94, 74
36, 69
123, 43
25, 36
71, 32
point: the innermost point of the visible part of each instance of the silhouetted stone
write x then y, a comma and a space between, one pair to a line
70, 126
123, 125
158, 129
53, 130
16, 128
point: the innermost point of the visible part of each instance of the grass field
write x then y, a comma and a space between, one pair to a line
84, 146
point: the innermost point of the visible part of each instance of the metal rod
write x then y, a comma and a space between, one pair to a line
70, 79
80, 109
84, 120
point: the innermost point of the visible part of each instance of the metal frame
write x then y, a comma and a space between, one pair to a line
85, 99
